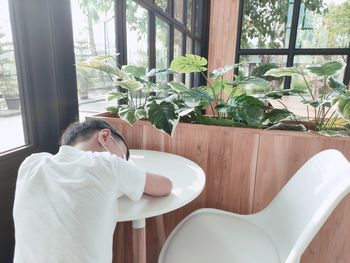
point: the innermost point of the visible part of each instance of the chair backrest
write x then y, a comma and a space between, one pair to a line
296, 214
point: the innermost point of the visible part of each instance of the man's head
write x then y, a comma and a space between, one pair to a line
95, 135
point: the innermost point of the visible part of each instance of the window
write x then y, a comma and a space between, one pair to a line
294, 33
11, 123
147, 33
94, 34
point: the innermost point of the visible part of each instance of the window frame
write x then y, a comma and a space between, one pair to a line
168, 17
291, 51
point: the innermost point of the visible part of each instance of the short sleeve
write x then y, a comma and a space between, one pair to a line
130, 179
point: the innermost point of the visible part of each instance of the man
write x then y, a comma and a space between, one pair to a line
65, 204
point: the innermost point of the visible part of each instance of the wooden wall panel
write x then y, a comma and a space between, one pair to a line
192, 144
232, 156
222, 33
280, 155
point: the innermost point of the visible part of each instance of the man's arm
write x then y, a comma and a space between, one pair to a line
157, 185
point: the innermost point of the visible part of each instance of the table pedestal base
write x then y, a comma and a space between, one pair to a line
139, 241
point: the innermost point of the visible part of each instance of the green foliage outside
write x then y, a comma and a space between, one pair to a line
8, 77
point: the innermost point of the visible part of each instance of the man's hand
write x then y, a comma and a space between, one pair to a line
157, 185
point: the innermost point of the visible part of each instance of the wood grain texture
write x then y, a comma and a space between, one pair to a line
281, 154
222, 33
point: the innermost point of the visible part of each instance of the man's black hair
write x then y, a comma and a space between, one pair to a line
81, 131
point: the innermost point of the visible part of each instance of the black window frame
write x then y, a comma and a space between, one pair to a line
168, 17
291, 51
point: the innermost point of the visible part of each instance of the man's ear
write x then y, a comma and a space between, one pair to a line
103, 136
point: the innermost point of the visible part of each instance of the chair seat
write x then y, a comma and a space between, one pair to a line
207, 236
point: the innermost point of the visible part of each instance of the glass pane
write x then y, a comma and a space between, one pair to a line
163, 4
197, 51
179, 10
198, 17
293, 102
11, 125
137, 34
257, 66
189, 46
162, 46
178, 41
303, 61
266, 24
188, 77
326, 25
94, 34
189, 15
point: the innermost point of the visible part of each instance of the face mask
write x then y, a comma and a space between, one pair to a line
118, 146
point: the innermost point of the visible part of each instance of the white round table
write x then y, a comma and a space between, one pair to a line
188, 182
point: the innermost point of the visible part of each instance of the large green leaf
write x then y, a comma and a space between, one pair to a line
163, 116
130, 84
219, 72
276, 115
283, 72
277, 94
194, 95
116, 96
246, 109
178, 86
337, 86
159, 71
127, 114
189, 63
113, 109
312, 103
140, 114
287, 127
327, 69
98, 65
101, 65
342, 105
137, 72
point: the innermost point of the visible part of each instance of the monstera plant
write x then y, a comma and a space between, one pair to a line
164, 103
326, 98
143, 94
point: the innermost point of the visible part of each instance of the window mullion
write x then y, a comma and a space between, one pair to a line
120, 27
152, 39
292, 39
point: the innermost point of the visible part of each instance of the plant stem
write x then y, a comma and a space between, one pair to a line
212, 90
324, 115
282, 104
231, 94
325, 125
132, 99
308, 87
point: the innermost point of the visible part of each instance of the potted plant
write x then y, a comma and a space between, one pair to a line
260, 70
325, 97
165, 103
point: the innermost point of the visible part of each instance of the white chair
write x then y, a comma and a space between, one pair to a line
279, 233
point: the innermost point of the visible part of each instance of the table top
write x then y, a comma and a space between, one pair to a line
188, 182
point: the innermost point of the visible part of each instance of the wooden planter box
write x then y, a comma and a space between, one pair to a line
245, 169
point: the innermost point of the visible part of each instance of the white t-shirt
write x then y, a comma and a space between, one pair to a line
65, 206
